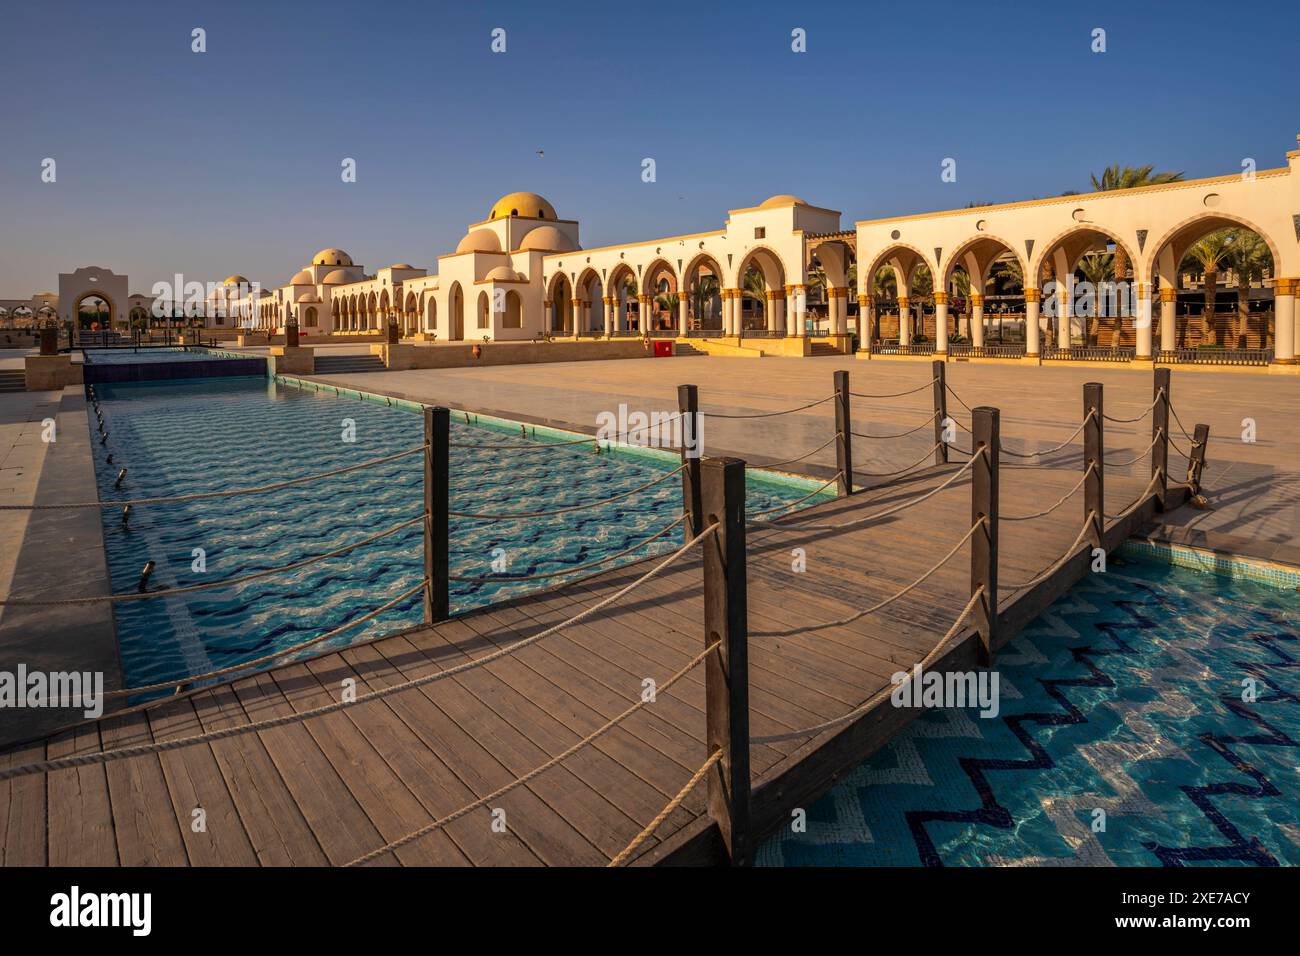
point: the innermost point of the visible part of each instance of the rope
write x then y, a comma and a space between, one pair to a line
266, 658
787, 505
788, 411
536, 771
135, 750
1143, 454
1195, 445
896, 394
890, 474
880, 695
209, 585
666, 812
1069, 553
1140, 499
791, 632
1130, 421
134, 502
790, 461
1181, 428
575, 570
871, 517
1047, 451
533, 446
911, 431
559, 511
1063, 499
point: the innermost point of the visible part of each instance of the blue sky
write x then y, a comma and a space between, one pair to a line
229, 161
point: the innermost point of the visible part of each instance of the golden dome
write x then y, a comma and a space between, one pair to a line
331, 257
527, 205
235, 280
480, 240
336, 277
782, 199
302, 278
503, 274
547, 239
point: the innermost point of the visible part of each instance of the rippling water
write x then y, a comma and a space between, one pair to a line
183, 437
1125, 697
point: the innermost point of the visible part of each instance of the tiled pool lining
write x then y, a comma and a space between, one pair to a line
510, 428
1235, 566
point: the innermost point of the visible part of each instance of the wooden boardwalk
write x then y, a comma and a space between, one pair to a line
327, 790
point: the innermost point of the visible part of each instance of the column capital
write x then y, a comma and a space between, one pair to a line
904, 301
1033, 295
863, 300
1143, 290
576, 302
1285, 286
644, 297
976, 299
1168, 294
547, 302
610, 300
941, 298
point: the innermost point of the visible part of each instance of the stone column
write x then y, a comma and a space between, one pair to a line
610, 305
941, 323
977, 319
645, 302
1142, 323
798, 307
904, 320
1063, 318
769, 310
1032, 306
732, 311
778, 311
1168, 318
864, 323
683, 313
1284, 321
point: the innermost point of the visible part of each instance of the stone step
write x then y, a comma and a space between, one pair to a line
13, 380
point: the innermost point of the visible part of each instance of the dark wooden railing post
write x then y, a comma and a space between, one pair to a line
437, 474
688, 407
1094, 487
941, 411
985, 433
1160, 435
844, 433
1196, 465
726, 671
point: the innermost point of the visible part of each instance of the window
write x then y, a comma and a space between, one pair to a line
760, 232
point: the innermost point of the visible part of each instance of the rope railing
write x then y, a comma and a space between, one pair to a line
501, 791
1055, 566
623, 855
902, 471
1134, 460
788, 411
210, 585
1055, 448
1060, 501
880, 605
517, 515
537, 445
506, 578
1138, 501
790, 461
164, 746
879, 696
875, 516
1129, 421
910, 431
227, 493
909, 391
786, 505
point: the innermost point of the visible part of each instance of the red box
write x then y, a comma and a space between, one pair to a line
663, 349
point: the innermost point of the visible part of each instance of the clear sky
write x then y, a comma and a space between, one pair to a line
229, 161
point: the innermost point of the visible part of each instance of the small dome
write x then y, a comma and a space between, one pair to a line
336, 277
402, 265
783, 199
503, 274
548, 239
331, 257
302, 278
480, 240
235, 280
528, 205
307, 295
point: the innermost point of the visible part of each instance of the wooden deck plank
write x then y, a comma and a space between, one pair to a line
145, 822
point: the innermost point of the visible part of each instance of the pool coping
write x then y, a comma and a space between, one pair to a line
1222, 563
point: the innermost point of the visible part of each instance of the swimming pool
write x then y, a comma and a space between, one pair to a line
1125, 697
193, 436
159, 363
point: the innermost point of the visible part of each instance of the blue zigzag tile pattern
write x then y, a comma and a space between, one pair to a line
1157, 699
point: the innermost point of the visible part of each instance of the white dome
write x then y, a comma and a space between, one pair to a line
480, 240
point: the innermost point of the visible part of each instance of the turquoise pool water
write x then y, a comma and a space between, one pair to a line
1125, 697
183, 437
157, 353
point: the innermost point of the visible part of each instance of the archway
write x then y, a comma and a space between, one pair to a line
1078, 268
623, 288
898, 303
593, 313
702, 280
970, 269
560, 316
659, 282
94, 311
514, 314
762, 291
456, 313
483, 313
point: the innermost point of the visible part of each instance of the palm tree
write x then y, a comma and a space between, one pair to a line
1249, 258
754, 286
1098, 268
1205, 258
703, 289
1129, 177
961, 287
668, 302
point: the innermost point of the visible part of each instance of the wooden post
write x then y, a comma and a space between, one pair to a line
941, 411
726, 671
688, 406
985, 433
844, 434
1200, 441
437, 473
1160, 435
1094, 487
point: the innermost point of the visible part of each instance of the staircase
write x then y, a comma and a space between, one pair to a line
686, 348
13, 380
348, 364
823, 348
